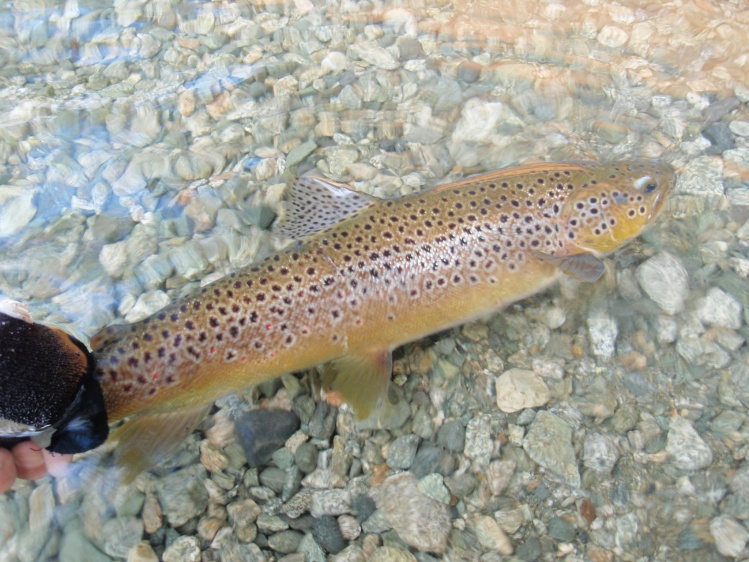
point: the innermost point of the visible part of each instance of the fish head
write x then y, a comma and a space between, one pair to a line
611, 204
48, 393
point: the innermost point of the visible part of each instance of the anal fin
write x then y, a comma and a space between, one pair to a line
361, 378
147, 439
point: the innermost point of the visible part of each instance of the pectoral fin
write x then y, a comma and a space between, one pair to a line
583, 267
147, 439
361, 378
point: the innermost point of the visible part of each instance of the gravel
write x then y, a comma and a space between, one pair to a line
144, 152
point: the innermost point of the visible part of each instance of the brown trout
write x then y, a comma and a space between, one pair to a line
365, 277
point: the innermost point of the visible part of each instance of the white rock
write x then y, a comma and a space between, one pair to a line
183, 549
121, 535
738, 156
350, 527
666, 281
738, 197
491, 536
518, 389
288, 85
549, 443
375, 55
41, 508
403, 20
740, 266
554, 317
599, 453
147, 304
131, 181
720, 309
479, 119
730, 535
17, 208
602, 332
478, 445
334, 62
702, 176
685, 446
740, 128
621, 14
188, 260
612, 36
667, 329
422, 523
113, 258
142, 552
145, 126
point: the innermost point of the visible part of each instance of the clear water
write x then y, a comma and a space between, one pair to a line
144, 144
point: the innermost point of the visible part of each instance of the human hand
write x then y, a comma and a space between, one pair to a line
29, 461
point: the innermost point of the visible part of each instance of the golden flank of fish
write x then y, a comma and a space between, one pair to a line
367, 276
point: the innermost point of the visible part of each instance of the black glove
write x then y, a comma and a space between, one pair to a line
48, 393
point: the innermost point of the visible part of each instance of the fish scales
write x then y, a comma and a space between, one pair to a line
390, 272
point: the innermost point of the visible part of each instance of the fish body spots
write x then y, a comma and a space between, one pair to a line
615, 204
379, 265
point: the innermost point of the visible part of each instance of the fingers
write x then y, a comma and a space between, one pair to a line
30, 462
7, 470
57, 465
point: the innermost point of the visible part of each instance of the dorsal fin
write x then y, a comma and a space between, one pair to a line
313, 204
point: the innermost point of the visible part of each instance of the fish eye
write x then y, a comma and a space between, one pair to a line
647, 184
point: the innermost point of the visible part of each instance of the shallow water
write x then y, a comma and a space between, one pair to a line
143, 152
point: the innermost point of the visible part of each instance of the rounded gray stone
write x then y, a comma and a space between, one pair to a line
666, 281
402, 451
452, 435
549, 443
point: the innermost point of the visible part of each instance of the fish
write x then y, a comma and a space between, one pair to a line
364, 277
47, 387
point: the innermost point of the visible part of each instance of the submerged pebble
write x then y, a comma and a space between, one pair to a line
182, 494
17, 209
730, 536
549, 443
665, 280
421, 522
148, 156
518, 389
262, 432
687, 449
718, 308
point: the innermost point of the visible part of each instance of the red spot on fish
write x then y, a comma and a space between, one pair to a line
155, 376
213, 350
268, 326
243, 358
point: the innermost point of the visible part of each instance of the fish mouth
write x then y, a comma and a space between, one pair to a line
659, 201
658, 204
